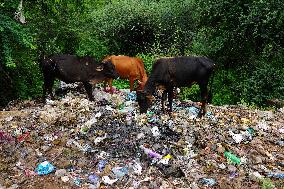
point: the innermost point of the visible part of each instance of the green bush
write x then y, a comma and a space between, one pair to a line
192, 93
265, 82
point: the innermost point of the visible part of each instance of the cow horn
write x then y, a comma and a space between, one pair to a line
139, 82
99, 68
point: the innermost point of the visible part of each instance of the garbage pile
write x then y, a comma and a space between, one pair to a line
74, 143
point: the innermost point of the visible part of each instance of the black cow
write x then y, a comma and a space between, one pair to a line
70, 69
176, 72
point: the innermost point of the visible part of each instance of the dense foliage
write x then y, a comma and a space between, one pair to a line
245, 38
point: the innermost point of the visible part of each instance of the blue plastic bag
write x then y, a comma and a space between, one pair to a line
102, 164
44, 168
131, 96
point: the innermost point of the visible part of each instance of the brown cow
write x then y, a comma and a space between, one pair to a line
131, 68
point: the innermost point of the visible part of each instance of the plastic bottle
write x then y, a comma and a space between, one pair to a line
232, 157
151, 153
208, 181
276, 175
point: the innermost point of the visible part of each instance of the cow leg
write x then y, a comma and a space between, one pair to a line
110, 85
88, 88
164, 97
47, 86
131, 82
105, 84
43, 92
204, 96
170, 98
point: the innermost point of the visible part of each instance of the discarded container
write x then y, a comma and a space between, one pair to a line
151, 153
237, 137
94, 179
65, 178
233, 175
280, 142
60, 172
102, 164
193, 111
100, 139
250, 130
255, 176
5, 137
44, 168
128, 119
209, 182
276, 175
120, 171
165, 160
153, 119
77, 181
137, 168
232, 157
109, 181
131, 96
263, 125
155, 131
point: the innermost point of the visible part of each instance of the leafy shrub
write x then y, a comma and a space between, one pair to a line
265, 82
192, 93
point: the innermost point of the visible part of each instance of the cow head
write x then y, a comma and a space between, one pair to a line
108, 69
141, 84
144, 101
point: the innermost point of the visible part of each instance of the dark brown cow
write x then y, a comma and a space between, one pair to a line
177, 72
131, 68
70, 69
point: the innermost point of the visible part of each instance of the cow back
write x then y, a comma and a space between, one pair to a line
70, 68
179, 71
126, 66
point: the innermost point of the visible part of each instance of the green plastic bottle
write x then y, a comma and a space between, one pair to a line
232, 157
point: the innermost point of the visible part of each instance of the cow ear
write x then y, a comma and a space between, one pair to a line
100, 68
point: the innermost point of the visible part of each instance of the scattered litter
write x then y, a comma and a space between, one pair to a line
108, 143
109, 181
209, 182
232, 157
44, 168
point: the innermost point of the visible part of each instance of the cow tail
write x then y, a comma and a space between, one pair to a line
210, 93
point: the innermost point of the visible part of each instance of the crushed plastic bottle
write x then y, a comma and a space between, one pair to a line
155, 131
131, 96
120, 171
193, 111
137, 168
102, 164
276, 175
280, 142
237, 137
94, 179
65, 178
209, 182
109, 181
232, 157
77, 181
44, 168
151, 153
100, 139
